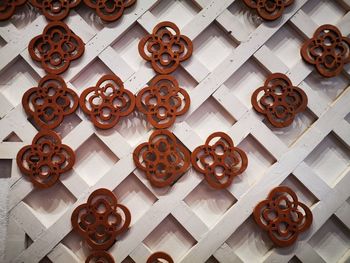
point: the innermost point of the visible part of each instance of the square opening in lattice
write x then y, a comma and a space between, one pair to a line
5, 168
16, 79
212, 259
330, 159
170, 236
48, 205
249, 242
128, 259
209, 204
332, 241
249, 77
295, 259
24, 15
93, 159
324, 11
329, 89
90, 75
286, 44
259, 160
77, 245
135, 196
12, 137
304, 195
302, 122
210, 117
347, 118
90, 17
45, 260
68, 124
213, 46
2, 42
179, 12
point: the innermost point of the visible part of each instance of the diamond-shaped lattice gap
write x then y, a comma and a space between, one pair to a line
286, 44
128, 259
246, 80
12, 137
135, 196
324, 11
295, 259
259, 160
294, 131
329, 89
186, 81
90, 17
180, 12
208, 203
24, 16
347, 118
249, 242
212, 46
93, 159
332, 240
330, 159
170, 236
49, 204
77, 245
210, 117
212, 259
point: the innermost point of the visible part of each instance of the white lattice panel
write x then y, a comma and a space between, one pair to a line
233, 53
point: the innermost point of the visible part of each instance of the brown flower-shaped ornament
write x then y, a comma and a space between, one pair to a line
8, 8
101, 219
46, 159
283, 216
107, 102
56, 47
55, 9
219, 160
162, 158
328, 50
99, 256
279, 100
269, 9
158, 257
165, 48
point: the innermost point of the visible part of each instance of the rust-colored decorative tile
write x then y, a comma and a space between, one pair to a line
56, 47
55, 10
109, 10
328, 50
165, 48
283, 216
8, 8
159, 257
279, 100
163, 101
101, 219
219, 160
107, 102
46, 159
162, 158
99, 256
50, 102
269, 9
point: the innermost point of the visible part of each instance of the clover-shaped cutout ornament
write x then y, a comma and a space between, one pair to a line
109, 10
50, 102
269, 9
165, 48
101, 219
56, 47
219, 160
99, 256
107, 102
158, 257
162, 158
283, 216
328, 50
46, 159
162, 101
279, 100
8, 8
55, 9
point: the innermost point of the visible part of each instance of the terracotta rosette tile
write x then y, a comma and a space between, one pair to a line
328, 50
159, 257
56, 47
106, 102
162, 158
55, 10
50, 102
165, 48
109, 10
45, 159
162, 101
279, 100
8, 8
101, 219
269, 9
283, 216
219, 160
99, 256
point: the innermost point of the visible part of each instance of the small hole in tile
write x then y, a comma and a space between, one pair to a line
5, 168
